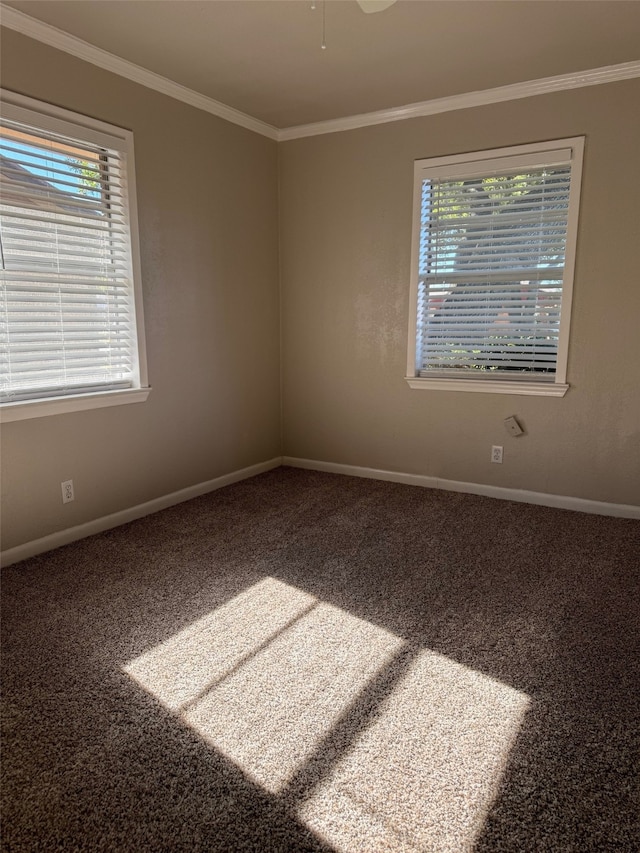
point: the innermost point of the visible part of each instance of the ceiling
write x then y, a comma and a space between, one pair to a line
264, 57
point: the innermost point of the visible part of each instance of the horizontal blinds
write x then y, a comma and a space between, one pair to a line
491, 265
67, 321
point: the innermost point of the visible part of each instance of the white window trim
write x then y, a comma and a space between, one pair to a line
72, 403
488, 386
480, 162
57, 116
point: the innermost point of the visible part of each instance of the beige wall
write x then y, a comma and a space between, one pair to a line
207, 196
345, 212
208, 200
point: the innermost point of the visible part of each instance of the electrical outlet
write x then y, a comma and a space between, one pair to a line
496, 453
67, 491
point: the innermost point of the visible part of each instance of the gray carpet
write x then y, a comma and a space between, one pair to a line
310, 662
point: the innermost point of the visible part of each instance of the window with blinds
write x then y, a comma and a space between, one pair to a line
493, 261
67, 298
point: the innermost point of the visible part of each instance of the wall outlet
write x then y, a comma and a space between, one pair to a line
496, 453
67, 491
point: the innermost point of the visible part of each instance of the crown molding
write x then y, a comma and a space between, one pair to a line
512, 92
28, 26
54, 37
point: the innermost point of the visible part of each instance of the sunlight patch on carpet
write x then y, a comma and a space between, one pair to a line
264, 678
179, 670
424, 775
272, 679
270, 715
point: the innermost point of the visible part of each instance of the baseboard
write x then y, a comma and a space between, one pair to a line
520, 495
115, 519
89, 528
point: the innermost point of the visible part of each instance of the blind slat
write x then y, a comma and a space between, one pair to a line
95, 171
25, 222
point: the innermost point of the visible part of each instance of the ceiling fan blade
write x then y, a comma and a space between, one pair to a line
370, 6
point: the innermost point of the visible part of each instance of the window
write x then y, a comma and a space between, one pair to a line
493, 254
70, 310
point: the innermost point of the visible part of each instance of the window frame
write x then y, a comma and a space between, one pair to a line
85, 128
462, 165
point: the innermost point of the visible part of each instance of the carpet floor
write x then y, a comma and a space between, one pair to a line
311, 662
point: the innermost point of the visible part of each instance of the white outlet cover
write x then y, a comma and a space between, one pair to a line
512, 426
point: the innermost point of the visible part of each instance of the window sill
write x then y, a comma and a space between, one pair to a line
73, 403
489, 386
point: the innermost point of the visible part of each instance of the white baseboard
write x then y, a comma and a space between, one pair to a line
521, 495
115, 519
80, 531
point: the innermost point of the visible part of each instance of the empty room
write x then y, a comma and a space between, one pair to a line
320, 425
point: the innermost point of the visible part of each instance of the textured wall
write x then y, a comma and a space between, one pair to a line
207, 197
346, 202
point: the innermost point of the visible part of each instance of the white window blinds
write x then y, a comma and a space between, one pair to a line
491, 266
67, 316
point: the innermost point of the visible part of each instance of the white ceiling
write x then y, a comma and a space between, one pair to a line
264, 57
